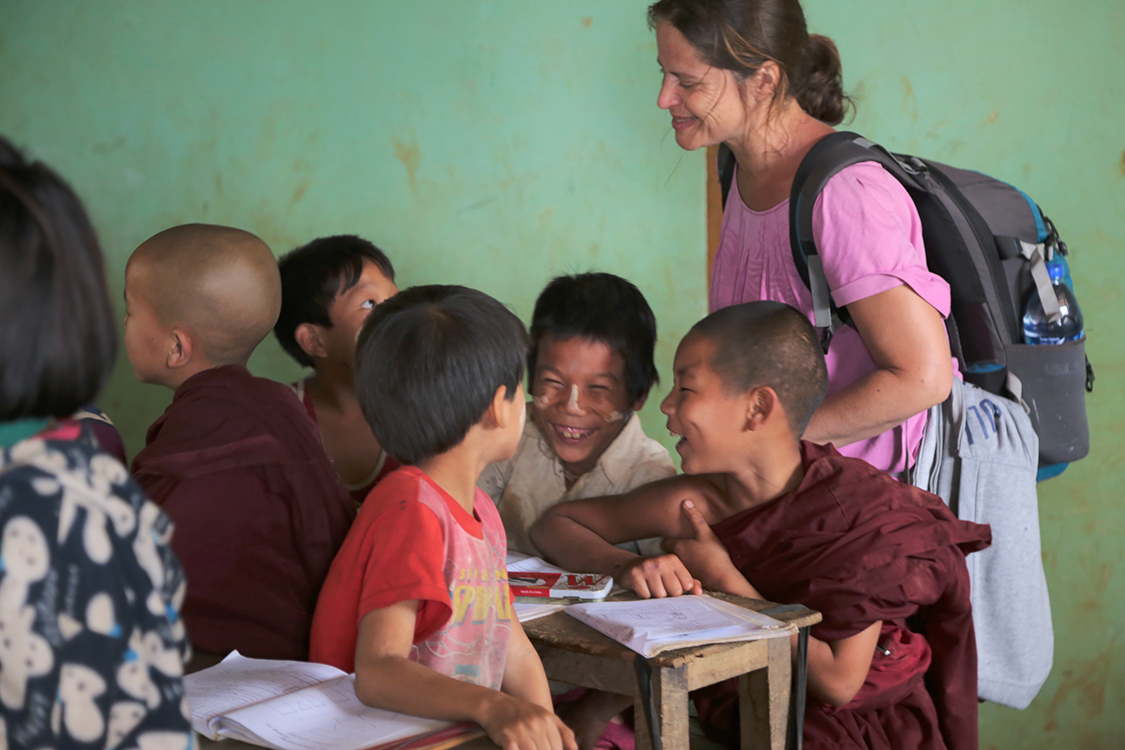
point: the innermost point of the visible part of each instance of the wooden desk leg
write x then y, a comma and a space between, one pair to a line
763, 699
669, 686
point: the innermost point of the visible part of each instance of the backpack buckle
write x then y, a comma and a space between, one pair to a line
916, 165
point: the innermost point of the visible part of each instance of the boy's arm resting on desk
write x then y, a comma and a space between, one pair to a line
387, 679
579, 535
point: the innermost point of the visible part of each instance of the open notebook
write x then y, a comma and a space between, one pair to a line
653, 626
291, 705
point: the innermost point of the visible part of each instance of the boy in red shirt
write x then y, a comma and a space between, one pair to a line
417, 600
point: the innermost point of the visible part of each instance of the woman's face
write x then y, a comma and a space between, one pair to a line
706, 103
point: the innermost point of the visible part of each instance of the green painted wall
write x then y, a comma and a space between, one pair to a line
495, 144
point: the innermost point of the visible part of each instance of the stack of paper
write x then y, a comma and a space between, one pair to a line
528, 611
652, 626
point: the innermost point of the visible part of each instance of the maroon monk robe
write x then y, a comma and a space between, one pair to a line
858, 546
259, 511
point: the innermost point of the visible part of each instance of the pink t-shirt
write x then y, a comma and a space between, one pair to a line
869, 237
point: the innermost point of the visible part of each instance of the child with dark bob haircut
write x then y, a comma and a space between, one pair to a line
422, 571
328, 288
88, 573
591, 367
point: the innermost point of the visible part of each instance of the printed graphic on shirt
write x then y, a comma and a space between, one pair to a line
473, 644
480, 593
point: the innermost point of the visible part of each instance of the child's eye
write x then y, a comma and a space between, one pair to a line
368, 304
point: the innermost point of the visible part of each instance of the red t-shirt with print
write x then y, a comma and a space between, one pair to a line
412, 541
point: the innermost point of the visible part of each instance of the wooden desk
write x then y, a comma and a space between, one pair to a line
579, 655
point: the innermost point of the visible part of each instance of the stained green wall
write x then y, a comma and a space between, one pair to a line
495, 144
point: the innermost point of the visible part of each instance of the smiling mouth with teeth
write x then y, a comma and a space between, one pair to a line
572, 435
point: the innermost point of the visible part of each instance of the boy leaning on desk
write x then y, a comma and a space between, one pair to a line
417, 600
761, 514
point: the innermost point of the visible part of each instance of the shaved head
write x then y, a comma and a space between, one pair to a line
219, 283
768, 344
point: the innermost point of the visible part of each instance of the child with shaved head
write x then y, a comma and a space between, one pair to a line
234, 461
759, 513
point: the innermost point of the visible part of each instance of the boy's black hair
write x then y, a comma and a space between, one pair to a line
428, 363
58, 336
772, 344
312, 276
601, 307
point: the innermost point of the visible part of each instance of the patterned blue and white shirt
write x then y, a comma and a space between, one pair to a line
91, 644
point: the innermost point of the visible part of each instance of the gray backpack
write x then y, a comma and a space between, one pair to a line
991, 243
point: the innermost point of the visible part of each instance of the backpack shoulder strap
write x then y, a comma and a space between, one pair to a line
824, 161
726, 162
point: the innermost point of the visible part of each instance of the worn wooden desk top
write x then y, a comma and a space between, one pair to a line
562, 631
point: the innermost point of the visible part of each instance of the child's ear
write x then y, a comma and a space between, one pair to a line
761, 405
310, 338
183, 347
639, 403
500, 411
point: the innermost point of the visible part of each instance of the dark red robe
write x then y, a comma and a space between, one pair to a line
259, 511
858, 546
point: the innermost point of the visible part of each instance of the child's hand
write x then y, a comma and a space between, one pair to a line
516, 724
657, 577
706, 558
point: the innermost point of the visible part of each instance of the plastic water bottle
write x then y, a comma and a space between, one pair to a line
1058, 258
1037, 329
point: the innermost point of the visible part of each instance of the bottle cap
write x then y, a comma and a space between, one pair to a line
1056, 271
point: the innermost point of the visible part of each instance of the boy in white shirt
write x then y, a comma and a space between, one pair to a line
591, 368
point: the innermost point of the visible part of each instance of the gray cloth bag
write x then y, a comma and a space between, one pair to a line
980, 454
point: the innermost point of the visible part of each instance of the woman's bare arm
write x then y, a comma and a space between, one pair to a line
907, 340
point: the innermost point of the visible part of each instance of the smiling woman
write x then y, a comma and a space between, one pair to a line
747, 74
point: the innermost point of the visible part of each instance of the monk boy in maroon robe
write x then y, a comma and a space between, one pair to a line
234, 461
761, 514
